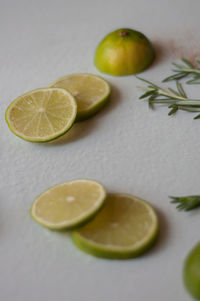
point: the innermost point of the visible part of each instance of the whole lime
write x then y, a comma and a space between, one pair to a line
191, 272
123, 52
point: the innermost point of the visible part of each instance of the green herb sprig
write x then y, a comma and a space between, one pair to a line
186, 70
186, 203
175, 99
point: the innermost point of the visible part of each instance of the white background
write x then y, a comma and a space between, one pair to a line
127, 147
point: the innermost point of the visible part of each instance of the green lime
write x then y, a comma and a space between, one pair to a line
90, 91
68, 205
123, 52
42, 115
191, 272
124, 228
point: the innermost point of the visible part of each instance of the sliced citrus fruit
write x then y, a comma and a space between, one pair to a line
67, 205
124, 228
42, 115
191, 272
90, 91
123, 52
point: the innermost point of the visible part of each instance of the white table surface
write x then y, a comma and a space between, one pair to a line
126, 146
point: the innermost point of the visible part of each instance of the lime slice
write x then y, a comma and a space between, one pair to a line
67, 205
91, 92
124, 228
191, 272
42, 115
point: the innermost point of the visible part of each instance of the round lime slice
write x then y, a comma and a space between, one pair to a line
124, 228
42, 115
68, 205
90, 91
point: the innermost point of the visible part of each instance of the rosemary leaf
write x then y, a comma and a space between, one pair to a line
148, 82
161, 101
173, 91
180, 89
195, 81
188, 63
187, 70
189, 102
173, 110
186, 203
176, 100
178, 65
175, 76
146, 94
189, 109
197, 116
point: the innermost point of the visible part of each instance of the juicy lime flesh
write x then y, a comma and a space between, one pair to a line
192, 272
68, 204
90, 92
41, 115
124, 52
124, 228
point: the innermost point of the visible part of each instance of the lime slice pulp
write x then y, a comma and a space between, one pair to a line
68, 205
90, 91
124, 228
42, 115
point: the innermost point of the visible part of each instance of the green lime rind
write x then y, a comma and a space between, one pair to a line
78, 222
75, 225
93, 110
101, 252
191, 272
43, 139
111, 252
38, 141
121, 55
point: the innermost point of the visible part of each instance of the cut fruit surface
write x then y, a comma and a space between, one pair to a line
67, 205
42, 115
90, 91
124, 228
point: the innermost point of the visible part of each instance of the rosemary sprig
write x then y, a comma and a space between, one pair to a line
175, 99
186, 203
186, 70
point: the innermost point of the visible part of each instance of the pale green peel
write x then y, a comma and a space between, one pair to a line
124, 52
125, 227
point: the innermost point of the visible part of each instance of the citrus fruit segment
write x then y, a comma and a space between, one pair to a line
124, 228
123, 52
42, 115
90, 91
191, 272
67, 205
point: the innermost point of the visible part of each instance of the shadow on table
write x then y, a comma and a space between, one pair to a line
176, 49
160, 52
